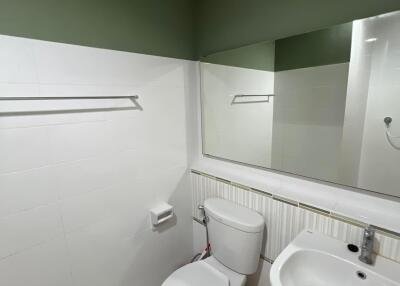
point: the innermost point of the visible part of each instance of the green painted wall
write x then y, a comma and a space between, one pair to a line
158, 27
322, 47
227, 24
177, 28
258, 56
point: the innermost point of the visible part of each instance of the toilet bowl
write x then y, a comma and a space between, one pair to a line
235, 234
205, 272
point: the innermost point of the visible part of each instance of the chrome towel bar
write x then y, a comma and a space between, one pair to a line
132, 97
250, 95
7, 110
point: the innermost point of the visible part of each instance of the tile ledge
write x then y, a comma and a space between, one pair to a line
285, 186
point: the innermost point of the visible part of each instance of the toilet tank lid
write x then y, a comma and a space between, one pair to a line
236, 216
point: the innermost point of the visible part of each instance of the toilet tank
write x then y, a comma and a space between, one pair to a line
235, 234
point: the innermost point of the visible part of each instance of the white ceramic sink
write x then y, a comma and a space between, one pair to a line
313, 259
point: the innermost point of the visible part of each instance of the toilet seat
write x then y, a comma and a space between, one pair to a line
203, 273
197, 274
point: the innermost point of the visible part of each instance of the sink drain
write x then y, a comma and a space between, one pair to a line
361, 275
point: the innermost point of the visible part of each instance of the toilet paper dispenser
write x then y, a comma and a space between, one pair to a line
161, 213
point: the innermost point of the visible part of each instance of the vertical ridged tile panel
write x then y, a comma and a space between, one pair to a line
283, 220
388, 246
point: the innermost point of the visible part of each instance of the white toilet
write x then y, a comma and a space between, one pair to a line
236, 235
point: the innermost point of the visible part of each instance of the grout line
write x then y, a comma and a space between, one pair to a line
195, 172
386, 232
44, 125
27, 248
67, 247
208, 176
29, 209
240, 186
314, 209
349, 220
222, 180
66, 162
285, 200
261, 192
32, 246
59, 200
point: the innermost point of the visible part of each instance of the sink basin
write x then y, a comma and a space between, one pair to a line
313, 259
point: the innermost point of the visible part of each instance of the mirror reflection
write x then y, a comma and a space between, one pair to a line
323, 104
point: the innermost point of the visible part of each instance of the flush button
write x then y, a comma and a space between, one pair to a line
352, 247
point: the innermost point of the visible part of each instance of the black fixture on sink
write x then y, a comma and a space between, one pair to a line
352, 247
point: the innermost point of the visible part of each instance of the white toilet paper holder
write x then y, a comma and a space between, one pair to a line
161, 213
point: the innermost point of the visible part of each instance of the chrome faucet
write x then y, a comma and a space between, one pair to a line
367, 245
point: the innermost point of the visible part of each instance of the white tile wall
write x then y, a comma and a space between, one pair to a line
285, 221
75, 188
27, 229
46, 265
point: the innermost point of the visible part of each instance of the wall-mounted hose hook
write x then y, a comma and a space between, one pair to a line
387, 120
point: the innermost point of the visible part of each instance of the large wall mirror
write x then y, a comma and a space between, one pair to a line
324, 104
